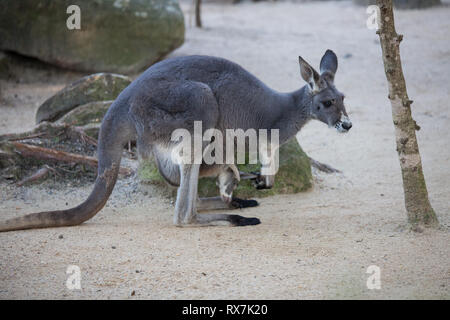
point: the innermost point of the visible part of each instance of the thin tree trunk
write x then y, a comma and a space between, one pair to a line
417, 204
198, 18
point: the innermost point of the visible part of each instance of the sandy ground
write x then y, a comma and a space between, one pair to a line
317, 244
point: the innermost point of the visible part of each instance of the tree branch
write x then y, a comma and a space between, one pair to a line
30, 151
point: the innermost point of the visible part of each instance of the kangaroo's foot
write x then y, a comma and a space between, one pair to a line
216, 203
238, 203
240, 221
227, 219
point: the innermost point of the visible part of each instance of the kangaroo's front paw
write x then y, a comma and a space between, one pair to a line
260, 182
241, 203
240, 221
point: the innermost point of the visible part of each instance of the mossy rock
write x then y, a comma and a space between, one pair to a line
123, 36
95, 87
294, 175
89, 116
92, 112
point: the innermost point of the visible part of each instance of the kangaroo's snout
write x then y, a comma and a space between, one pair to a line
343, 125
347, 125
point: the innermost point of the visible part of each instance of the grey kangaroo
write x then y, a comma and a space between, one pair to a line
173, 94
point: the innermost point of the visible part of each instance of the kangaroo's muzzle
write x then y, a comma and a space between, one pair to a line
343, 125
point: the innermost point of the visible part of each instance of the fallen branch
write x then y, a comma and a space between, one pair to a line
26, 150
42, 173
39, 131
322, 166
31, 136
47, 129
83, 136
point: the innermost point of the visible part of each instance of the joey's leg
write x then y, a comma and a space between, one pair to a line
227, 181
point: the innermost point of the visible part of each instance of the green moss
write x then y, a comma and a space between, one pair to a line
294, 175
92, 112
148, 173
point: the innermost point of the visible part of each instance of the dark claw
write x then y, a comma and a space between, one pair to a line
240, 221
259, 183
241, 203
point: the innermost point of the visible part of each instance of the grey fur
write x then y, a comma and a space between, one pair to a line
174, 93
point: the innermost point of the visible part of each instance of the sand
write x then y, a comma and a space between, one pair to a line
313, 245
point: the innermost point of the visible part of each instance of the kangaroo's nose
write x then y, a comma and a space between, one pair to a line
347, 125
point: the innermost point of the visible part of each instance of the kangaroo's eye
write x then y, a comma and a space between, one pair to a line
328, 103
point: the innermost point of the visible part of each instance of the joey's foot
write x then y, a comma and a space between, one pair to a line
237, 203
240, 221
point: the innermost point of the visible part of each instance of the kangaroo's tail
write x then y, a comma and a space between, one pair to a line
115, 131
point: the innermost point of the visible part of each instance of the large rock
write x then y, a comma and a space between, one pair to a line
88, 116
404, 4
294, 175
95, 87
89, 113
121, 36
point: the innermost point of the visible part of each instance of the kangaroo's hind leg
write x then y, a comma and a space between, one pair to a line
185, 207
186, 204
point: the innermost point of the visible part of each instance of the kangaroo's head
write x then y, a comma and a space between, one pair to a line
327, 102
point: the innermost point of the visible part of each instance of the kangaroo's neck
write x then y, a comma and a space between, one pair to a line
294, 112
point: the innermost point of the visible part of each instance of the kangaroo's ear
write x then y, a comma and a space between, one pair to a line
309, 74
329, 64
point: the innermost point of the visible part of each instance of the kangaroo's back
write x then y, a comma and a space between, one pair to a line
243, 100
